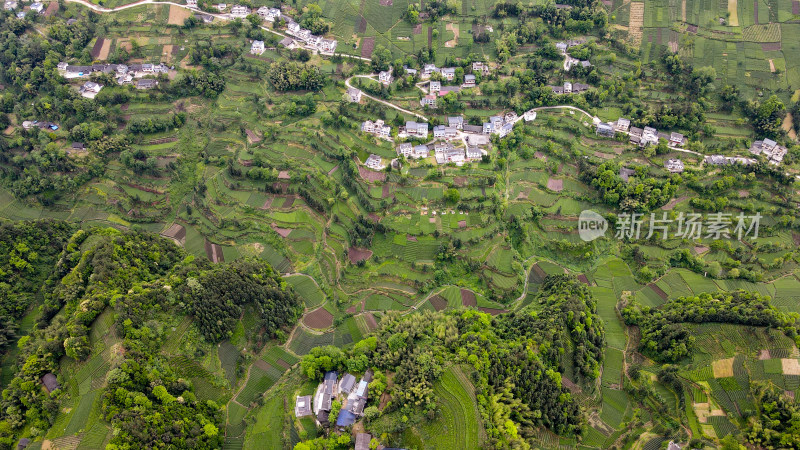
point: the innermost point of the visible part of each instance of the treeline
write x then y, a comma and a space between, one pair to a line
148, 125
28, 250
640, 193
294, 76
216, 298
666, 338
147, 281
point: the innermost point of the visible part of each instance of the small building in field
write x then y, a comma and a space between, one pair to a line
625, 173
505, 129
378, 128
674, 166
302, 407
146, 83
605, 129
474, 152
385, 77
449, 73
239, 11
529, 115
429, 101
191, 3
50, 382
37, 7
374, 162
428, 70
435, 86
649, 137
622, 125
90, 89
257, 48
354, 95
469, 81
676, 139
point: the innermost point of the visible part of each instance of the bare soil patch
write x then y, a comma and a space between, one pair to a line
386, 191
460, 181
603, 155
267, 203
635, 30
796, 7
492, 311
352, 309
700, 249
733, 13
763, 354
52, 8
755, 11
787, 126
358, 254
176, 232
288, 202
367, 45
252, 137
410, 238
320, 318
540, 155
537, 274
454, 28
374, 217
283, 364
462, 224
418, 28
555, 185
438, 302
704, 411
468, 298
177, 15
386, 2
672, 203
692, 29
723, 368
771, 66
332, 171
283, 232
214, 252
771, 46
574, 388
371, 175
790, 366
284, 175
101, 48
583, 279
371, 322
658, 290
361, 24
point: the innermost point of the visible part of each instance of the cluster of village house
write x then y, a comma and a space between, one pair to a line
301, 36
353, 397
11, 5
124, 74
473, 138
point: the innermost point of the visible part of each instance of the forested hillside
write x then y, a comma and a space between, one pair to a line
143, 283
